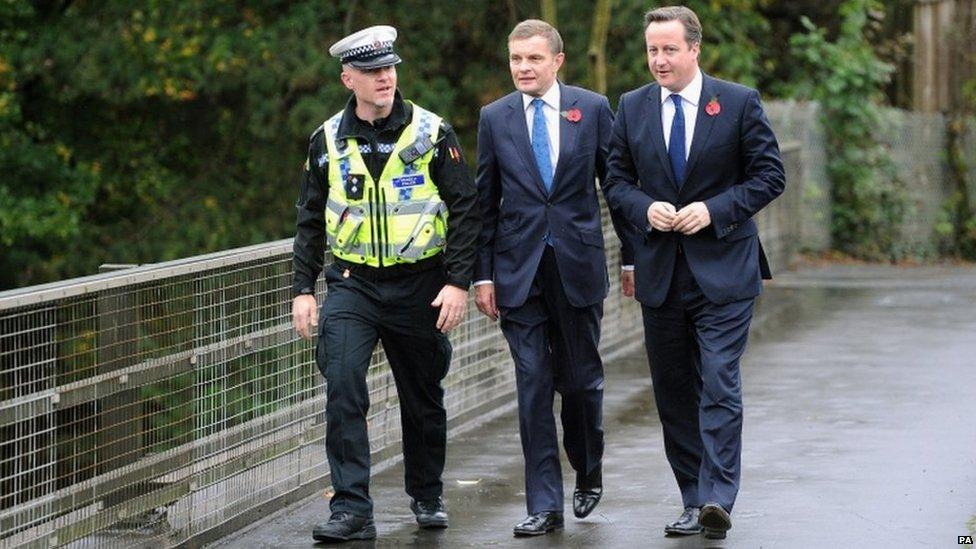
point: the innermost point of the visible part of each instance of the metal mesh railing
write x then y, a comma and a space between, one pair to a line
917, 145
148, 405
126, 397
796, 121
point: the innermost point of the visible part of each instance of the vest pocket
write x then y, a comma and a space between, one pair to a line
346, 233
426, 232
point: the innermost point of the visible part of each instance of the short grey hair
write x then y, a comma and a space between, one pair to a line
536, 27
693, 28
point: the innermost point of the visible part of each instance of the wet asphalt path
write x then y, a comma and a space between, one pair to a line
860, 430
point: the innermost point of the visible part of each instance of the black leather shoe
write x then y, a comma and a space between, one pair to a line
588, 492
343, 526
430, 513
715, 520
584, 501
539, 523
686, 525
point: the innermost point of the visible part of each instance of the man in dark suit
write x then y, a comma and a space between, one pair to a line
692, 159
541, 267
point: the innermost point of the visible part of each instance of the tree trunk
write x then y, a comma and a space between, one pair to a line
597, 52
548, 11
347, 24
512, 14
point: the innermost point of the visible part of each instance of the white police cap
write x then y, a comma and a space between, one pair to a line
369, 48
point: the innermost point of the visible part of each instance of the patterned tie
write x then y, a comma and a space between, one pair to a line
676, 144
540, 144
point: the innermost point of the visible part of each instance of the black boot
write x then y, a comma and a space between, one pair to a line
430, 513
343, 526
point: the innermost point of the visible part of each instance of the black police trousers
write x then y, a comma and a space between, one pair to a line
356, 314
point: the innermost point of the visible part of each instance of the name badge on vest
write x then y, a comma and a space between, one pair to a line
406, 181
355, 184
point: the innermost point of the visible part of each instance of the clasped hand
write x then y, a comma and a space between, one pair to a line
688, 220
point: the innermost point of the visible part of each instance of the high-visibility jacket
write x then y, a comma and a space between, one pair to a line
398, 219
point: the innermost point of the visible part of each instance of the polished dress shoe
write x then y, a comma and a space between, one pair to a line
539, 523
343, 526
715, 520
588, 492
686, 525
430, 513
584, 501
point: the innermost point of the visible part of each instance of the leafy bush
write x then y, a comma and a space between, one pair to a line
846, 77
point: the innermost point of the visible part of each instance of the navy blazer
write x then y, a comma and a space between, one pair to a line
733, 166
518, 213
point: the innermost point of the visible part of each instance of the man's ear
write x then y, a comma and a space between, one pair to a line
346, 77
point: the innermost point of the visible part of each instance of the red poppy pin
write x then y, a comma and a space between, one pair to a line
573, 115
713, 107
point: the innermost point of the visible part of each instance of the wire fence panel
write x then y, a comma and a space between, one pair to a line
917, 144
796, 121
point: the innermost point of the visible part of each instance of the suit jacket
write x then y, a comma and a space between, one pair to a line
518, 213
733, 166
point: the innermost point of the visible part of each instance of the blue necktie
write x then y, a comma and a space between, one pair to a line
540, 144
676, 144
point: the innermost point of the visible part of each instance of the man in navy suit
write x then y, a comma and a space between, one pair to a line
692, 159
541, 267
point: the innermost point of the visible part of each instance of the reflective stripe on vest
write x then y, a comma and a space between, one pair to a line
398, 219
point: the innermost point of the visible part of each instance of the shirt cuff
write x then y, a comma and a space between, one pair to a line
627, 268
483, 282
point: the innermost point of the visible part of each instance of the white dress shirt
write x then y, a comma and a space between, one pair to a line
551, 111
690, 96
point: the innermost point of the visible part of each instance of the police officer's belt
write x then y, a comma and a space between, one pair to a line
388, 273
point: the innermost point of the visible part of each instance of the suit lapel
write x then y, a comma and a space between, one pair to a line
568, 133
519, 131
703, 124
652, 117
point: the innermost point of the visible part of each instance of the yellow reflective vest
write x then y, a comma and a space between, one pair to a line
398, 219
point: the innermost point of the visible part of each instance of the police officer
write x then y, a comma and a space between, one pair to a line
386, 185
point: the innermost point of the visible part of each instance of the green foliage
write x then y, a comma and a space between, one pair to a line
846, 76
956, 228
959, 211
141, 131
732, 48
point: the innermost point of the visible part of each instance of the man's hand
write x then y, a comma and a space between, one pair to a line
453, 302
692, 218
661, 216
484, 297
304, 313
627, 283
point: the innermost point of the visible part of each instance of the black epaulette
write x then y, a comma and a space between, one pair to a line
317, 131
